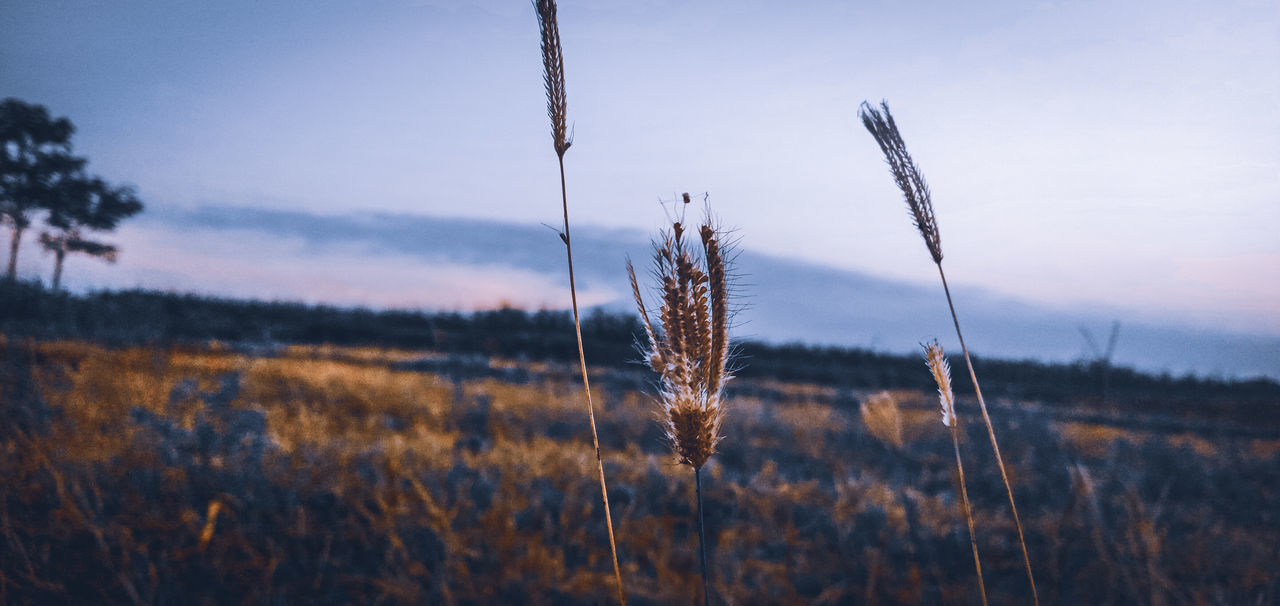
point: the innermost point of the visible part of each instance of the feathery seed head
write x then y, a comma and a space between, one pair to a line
690, 349
553, 74
883, 418
905, 174
942, 375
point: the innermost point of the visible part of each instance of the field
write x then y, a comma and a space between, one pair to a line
309, 474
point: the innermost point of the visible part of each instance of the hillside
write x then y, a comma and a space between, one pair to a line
148, 317
338, 475
438, 262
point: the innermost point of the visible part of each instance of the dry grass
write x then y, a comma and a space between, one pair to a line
883, 418
553, 74
937, 361
690, 348
907, 176
557, 111
406, 487
1096, 440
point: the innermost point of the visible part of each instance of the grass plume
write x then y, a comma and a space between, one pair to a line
937, 361
908, 178
883, 419
690, 352
553, 74
557, 108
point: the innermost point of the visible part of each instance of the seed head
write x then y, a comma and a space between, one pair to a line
553, 74
905, 174
942, 374
690, 350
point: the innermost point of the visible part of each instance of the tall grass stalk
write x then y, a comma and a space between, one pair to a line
691, 351
553, 78
942, 375
908, 179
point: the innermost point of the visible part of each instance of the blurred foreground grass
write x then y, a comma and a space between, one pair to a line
329, 475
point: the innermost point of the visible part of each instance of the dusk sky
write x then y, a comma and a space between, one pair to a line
1119, 153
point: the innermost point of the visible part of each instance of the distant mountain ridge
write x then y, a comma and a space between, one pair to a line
786, 300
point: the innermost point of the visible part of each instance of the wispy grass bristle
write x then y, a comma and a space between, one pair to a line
719, 326
942, 375
654, 357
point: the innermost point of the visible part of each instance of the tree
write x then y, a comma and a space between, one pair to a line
35, 156
80, 203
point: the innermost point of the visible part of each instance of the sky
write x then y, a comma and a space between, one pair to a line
412, 260
1080, 153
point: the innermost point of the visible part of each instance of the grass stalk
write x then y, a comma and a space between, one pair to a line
691, 351
942, 374
968, 516
586, 387
991, 433
911, 182
702, 537
553, 78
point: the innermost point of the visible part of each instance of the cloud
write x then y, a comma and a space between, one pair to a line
246, 253
413, 261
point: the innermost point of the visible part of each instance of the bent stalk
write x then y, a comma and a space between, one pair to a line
991, 433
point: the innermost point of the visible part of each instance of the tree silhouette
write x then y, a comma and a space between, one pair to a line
35, 156
82, 203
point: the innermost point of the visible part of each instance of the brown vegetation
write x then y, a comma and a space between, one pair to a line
937, 361
557, 110
690, 349
916, 193
331, 476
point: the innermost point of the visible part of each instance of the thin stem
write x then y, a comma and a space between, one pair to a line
968, 512
991, 432
586, 385
14, 240
702, 537
57, 267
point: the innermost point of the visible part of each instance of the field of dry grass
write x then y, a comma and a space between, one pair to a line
361, 475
